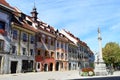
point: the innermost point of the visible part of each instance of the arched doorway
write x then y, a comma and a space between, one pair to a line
57, 66
45, 67
51, 66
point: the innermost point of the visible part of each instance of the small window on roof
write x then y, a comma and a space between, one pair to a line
30, 23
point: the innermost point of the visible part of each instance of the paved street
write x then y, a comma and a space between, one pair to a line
66, 75
101, 78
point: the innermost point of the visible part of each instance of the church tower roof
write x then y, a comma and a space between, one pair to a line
34, 13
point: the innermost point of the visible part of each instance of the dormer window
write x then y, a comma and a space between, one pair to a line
23, 15
20, 19
30, 23
24, 37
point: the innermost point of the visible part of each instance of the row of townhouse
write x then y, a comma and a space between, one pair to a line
79, 54
28, 44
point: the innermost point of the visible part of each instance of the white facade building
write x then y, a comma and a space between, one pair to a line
78, 52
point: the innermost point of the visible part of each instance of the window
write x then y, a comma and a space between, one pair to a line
46, 53
13, 49
24, 50
61, 65
62, 56
1, 45
38, 52
24, 37
39, 38
57, 44
43, 39
46, 40
31, 51
32, 39
52, 42
65, 46
65, 56
58, 55
62, 45
70, 50
15, 33
2, 25
52, 54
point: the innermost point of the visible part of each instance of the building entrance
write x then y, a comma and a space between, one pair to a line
13, 66
51, 66
57, 66
45, 67
69, 66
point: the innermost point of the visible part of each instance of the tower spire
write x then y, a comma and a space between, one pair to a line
34, 4
98, 30
34, 13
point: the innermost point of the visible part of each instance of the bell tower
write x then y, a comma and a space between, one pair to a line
34, 13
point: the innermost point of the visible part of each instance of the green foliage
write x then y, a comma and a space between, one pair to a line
111, 53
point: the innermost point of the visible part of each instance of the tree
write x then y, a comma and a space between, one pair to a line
111, 54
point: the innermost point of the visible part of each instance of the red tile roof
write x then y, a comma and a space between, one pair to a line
3, 2
81, 42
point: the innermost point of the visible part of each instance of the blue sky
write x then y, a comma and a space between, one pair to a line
80, 17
